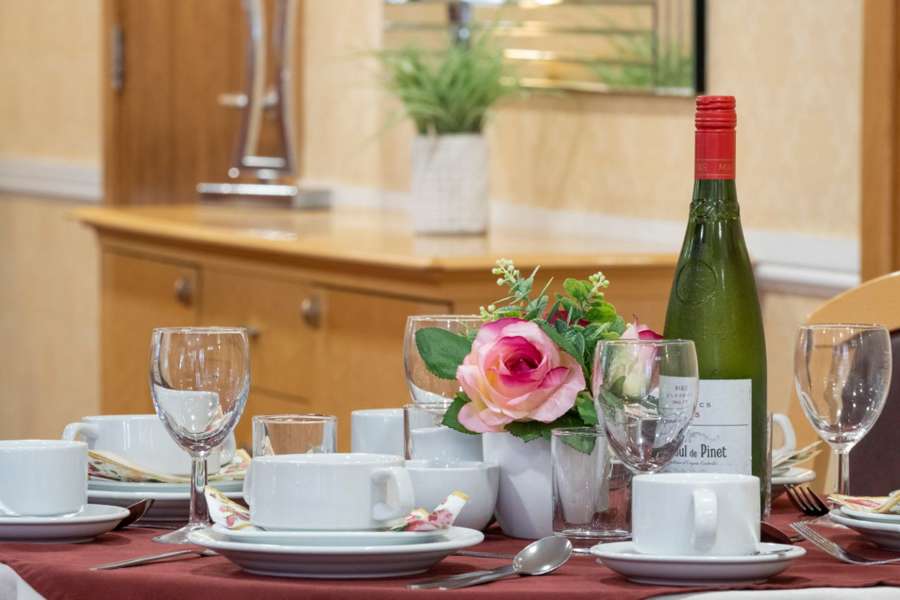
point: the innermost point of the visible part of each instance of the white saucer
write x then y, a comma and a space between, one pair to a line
330, 538
337, 562
622, 558
886, 535
93, 520
794, 476
157, 487
870, 516
168, 507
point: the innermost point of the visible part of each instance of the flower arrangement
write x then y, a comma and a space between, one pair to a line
528, 369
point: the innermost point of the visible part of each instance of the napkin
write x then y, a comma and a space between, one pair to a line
875, 504
108, 466
783, 463
228, 513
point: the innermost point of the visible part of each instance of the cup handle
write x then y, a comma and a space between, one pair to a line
382, 511
706, 519
227, 450
75, 431
787, 431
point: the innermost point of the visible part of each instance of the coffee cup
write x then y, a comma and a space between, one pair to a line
377, 431
143, 441
695, 514
42, 478
433, 481
332, 492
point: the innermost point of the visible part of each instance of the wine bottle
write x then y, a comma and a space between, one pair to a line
714, 302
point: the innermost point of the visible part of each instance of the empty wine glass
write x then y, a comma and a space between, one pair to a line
199, 380
842, 373
426, 387
646, 392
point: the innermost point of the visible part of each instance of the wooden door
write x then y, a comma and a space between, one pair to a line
138, 294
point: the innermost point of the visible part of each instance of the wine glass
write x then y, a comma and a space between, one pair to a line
842, 373
646, 391
424, 386
199, 380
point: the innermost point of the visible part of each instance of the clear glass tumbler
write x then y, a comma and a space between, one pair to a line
426, 439
294, 434
591, 488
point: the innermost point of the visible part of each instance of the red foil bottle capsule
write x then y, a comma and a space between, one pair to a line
715, 137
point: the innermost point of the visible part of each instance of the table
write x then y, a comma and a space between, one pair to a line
59, 571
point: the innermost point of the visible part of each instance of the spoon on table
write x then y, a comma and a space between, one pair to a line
135, 512
537, 558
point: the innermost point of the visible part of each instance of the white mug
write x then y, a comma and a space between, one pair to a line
42, 478
695, 514
377, 431
143, 441
335, 492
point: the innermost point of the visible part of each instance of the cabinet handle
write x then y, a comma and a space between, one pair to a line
184, 290
311, 311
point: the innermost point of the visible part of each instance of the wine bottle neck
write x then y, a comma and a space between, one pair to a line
715, 200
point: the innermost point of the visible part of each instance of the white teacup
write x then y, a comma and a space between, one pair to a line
144, 441
433, 481
789, 437
42, 478
333, 492
377, 431
695, 514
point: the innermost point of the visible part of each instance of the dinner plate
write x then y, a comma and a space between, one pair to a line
168, 507
886, 535
91, 521
329, 538
337, 562
622, 558
155, 487
870, 516
794, 476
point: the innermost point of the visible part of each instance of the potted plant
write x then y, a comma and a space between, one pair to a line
447, 96
527, 370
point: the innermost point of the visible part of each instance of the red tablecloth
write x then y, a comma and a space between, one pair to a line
60, 572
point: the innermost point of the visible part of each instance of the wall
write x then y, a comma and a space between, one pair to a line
49, 113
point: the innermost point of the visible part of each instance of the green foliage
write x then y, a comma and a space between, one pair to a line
674, 66
449, 91
442, 351
451, 417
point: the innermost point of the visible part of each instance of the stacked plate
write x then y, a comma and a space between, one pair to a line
335, 554
171, 501
883, 529
790, 476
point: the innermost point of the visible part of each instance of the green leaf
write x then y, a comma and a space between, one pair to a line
442, 351
558, 338
529, 430
536, 308
582, 443
574, 337
586, 408
580, 290
600, 313
451, 417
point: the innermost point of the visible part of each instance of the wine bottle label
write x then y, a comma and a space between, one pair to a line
718, 440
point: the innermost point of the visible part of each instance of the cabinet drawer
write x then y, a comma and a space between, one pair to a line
281, 317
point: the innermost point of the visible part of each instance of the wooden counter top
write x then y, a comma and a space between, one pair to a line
363, 236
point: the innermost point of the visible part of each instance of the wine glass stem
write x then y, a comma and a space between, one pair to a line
199, 509
843, 465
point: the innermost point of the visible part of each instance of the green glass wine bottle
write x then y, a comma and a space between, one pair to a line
714, 302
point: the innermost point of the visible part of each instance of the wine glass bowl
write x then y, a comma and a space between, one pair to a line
424, 386
646, 392
842, 373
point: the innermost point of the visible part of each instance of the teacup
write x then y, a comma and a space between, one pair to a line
331, 492
695, 514
143, 441
433, 481
789, 437
42, 478
377, 431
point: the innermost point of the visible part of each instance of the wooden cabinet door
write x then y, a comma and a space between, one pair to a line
138, 294
360, 361
263, 403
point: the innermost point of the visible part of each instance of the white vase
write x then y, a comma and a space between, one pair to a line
525, 498
449, 184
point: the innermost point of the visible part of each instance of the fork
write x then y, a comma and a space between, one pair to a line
807, 501
833, 549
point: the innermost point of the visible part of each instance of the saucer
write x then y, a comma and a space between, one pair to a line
622, 558
870, 516
885, 535
330, 538
91, 521
337, 562
793, 476
156, 487
168, 507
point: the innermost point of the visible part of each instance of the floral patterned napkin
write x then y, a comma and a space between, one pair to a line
784, 463
876, 504
107, 466
232, 515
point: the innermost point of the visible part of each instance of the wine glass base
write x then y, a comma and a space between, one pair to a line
180, 536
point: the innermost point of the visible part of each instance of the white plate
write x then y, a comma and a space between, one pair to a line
156, 487
168, 507
93, 520
622, 558
337, 562
330, 538
870, 516
886, 535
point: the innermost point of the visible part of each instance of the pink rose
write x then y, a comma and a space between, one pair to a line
639, 331
516, 373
